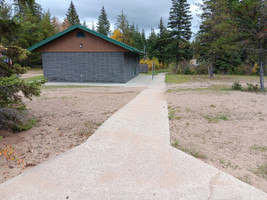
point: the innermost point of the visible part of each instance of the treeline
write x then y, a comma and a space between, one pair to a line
233, 36
231, 39
29, 24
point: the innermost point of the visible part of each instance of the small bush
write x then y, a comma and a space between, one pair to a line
255, 69
243, 69
187, 70
25, 125
10, 155
252, 88
149, 62
184, 67
202, 68
236, 86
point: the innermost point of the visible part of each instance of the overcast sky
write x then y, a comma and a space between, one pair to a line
144, 13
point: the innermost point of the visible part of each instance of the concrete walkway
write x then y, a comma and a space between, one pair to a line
141, 80
129, 157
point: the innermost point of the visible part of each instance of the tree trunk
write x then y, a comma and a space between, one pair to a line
261, 75
211, 70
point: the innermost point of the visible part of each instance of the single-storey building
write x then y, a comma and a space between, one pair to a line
78, 54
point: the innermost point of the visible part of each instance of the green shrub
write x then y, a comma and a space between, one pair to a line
202, 69
236, 86
243, 69
23, 126
251, 87
187, 70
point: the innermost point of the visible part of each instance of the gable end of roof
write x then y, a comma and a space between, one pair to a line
77, 26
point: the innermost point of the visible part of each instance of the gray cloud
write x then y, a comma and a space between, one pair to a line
144, 13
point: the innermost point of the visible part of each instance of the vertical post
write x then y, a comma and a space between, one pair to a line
153, 69
261, 75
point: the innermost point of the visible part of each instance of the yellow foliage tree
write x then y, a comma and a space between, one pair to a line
117, 35
122, 37
149, 62
65, 24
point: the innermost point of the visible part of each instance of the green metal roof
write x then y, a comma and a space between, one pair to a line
77, 26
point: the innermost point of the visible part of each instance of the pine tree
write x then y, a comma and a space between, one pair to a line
123, 25
217, 42
152, 45
72, 15
138, 40
47, 28
251, 16
103, 25
163, 44
7, 25
13, 113
180, 25
84, 24
93, 26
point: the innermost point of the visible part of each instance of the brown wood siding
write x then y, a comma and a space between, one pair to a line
71, 43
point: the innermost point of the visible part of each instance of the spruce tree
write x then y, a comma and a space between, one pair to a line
251, 17
152, 45
124, 27
103, 25
13, 111
72, 15
137, 36
163, 44
84, 24
180, 26
217, 39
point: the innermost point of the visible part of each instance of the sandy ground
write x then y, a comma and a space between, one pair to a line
32, 73
226, 129
67, 117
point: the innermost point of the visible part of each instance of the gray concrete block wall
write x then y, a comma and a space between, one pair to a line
131, 65
89, 67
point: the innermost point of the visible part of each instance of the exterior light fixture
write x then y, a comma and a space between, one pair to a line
81, 45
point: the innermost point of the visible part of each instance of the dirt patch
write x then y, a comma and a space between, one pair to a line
32, 73
67, 117
226, 129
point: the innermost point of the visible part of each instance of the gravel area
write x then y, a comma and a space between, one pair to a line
226, 129
66, 116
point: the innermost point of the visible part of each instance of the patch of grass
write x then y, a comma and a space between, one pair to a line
171, 114
65, 97
214, 87
188, 109
212, 106
259, 148
186, 90
26, 125
175, 144
181, 78
85, 133
229, 164
262, 170
222, 161
216, 118
245, 179
169, 78
34, 78
192, 152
